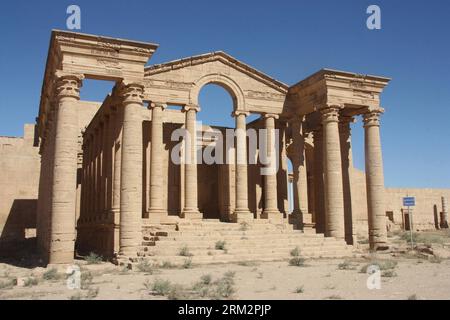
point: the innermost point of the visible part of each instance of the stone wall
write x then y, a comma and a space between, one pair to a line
426, 213
19, 179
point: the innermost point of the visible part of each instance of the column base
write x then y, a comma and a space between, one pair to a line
273, 215
192, 214
241, 215
296, 218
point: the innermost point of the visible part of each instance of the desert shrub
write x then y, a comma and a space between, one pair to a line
299, 289
184, 252
389, 274
93, 258
145, 266
187, 264
244, 226
167, 265
86, 279
220, 245
161, 287
346, 265
31, 281
225, 286
51, 274
8, 283
92, 293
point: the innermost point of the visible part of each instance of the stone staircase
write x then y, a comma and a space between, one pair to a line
211, 241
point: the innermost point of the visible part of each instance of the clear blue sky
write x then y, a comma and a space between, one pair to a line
286, 39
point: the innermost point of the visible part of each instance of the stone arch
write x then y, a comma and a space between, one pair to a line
225, 82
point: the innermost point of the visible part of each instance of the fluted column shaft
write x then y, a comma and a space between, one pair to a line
190, 209
374, 180
347, 166
63, 208
319, 198
300, 183
270, 178
334, 196
156, 161
131, 170
241, 212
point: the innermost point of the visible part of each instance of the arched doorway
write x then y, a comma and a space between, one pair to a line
214, 175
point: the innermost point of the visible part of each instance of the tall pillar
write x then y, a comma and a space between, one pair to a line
375, 180
444, 221
319, 188
157, 209
117, 154
241, 212
131, 170
300, 183
63, 207
334, 195
347, 165
270, 178
190, 209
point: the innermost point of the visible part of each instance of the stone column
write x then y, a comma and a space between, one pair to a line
375, 180
63, 206
347, 166
241, 213
444, 222
319, 189
332, 164
190, 209
117, 153
105, 161
157, 209
300, 181
131, 170
270, 177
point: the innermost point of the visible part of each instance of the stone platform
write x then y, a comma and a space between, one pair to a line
211, 241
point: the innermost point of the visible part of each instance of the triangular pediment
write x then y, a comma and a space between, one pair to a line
219, 56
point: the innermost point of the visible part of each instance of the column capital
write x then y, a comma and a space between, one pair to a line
271, 115
153, 105
330, 113
68, 84
372, 117
131, 92
237, 113
191, 106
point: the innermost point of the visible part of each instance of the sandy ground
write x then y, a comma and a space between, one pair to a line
319, 279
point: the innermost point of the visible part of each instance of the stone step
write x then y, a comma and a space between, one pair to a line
208, 243
263, 238
233, 232
157, 251
234, 258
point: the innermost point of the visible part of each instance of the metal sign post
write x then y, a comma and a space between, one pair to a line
410, 202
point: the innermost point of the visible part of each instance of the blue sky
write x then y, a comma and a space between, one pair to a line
288, 40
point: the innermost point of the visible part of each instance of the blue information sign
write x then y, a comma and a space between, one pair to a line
409, 201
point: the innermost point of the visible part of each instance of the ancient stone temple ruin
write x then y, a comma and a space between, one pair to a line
109, 184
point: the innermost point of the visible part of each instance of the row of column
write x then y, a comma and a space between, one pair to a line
332, 162
190, 209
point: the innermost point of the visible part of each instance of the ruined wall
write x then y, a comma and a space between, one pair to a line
426, 213
19, 179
